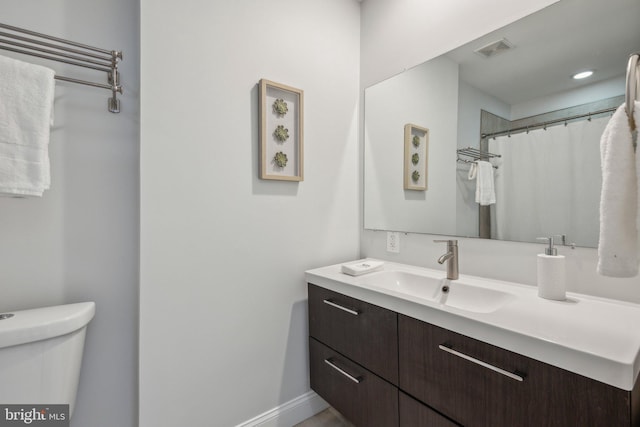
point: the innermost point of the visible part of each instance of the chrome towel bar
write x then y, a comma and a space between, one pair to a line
27, 42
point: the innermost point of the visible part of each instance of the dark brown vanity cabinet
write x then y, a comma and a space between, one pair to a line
353, 362
353, 357
416, 414
380, 368
361, 396
478, 384
365, 333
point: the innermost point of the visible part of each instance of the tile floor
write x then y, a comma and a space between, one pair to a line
327, 418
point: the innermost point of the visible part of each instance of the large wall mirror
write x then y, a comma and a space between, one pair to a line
511, 98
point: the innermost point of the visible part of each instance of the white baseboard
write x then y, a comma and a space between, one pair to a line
290, 413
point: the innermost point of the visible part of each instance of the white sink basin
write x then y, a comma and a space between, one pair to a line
474, 298
434, 289
417, 285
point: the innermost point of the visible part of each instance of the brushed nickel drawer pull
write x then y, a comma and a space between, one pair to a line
348, 310
342, 371
481, 363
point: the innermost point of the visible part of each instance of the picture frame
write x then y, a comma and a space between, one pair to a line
281, 131
416, 157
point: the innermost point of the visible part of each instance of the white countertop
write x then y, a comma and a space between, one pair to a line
591, 336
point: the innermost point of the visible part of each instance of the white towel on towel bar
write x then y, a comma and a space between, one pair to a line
485, 187
26, 104
618, 243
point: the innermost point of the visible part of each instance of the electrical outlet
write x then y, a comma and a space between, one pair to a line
393, 242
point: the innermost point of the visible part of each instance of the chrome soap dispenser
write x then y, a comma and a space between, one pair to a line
552, 275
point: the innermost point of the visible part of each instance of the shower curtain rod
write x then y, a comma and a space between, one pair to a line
68, 52
547, 123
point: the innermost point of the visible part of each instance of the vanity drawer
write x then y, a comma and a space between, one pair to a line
362, 397
416, 414
478, 384
365, 333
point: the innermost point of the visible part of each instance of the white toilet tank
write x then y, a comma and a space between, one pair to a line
41, 354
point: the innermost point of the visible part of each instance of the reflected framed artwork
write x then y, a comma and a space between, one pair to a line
416, 157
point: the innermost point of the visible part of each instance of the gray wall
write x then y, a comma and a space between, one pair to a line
79, 242
223, 323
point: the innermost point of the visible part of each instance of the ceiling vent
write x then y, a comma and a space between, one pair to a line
494, 48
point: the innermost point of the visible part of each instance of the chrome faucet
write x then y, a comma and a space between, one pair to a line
451, 256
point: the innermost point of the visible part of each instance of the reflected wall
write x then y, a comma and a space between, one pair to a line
427, 96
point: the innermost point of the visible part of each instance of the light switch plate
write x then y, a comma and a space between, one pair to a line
393, 242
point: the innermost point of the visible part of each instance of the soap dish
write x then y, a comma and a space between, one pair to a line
362, 267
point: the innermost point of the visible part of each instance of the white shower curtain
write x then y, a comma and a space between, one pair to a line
548, 182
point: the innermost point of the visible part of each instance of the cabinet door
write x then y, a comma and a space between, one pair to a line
416, 414
362, 397
365, 333
478, 384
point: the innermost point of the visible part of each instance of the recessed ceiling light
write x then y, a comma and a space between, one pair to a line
582, 74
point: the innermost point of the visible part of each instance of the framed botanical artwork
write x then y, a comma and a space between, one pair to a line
416, 157
281, 132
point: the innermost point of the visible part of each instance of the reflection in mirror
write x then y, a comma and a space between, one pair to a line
509, 93
425, 96
548, 182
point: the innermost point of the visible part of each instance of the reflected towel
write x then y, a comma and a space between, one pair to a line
26, 103
485, 189
618, 241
